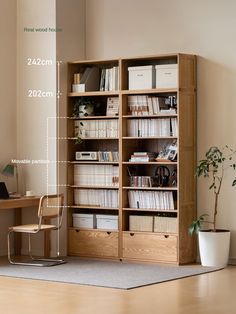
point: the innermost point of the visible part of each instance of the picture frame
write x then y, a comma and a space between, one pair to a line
169, 153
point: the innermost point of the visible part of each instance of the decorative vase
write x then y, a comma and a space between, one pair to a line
214, 247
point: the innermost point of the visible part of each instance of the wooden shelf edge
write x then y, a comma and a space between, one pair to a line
94, 230
150, 116
93, 207
151, 210
149, 91
93, 187
93, 93
151, 233
95, 162
94, 118
150, 188
149, 138
150, 162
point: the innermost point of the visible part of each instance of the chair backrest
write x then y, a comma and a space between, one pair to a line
51, 206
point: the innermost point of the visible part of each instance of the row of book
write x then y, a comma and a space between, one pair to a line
151, 199
143, 105
140, 181
108, 156
109, 79
152, 127
98, 198
96, 175
96, 128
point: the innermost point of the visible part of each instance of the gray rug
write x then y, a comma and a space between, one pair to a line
121, 275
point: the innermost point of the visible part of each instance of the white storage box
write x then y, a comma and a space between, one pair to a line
141, 77
140, 223
166, 76
83, 221
107, 222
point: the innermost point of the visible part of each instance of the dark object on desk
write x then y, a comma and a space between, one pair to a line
3, 191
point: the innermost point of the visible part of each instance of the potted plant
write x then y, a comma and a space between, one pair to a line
213, 243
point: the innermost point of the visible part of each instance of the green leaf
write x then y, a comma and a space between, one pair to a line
196, 225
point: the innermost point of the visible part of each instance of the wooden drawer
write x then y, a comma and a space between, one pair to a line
150, 246
93, 243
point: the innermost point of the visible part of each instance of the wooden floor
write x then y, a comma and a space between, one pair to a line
208, 293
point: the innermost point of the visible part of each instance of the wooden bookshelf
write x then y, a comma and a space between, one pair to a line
177, 200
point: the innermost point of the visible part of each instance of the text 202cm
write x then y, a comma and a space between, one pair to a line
39, 93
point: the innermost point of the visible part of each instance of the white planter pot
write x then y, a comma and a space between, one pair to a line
214, 247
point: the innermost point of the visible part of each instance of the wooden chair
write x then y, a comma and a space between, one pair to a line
50, 206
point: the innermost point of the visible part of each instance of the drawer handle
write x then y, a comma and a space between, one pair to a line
108, 232
77, 230
166, 236
131, 234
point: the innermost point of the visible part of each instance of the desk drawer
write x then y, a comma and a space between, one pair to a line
93, 243
149, 246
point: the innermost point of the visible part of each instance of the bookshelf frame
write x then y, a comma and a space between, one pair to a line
125, 244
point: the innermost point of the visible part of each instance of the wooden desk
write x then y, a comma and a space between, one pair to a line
17, 204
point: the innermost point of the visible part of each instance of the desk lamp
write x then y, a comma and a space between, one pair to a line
10, 170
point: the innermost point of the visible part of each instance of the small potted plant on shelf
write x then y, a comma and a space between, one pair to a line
214, 243
83, 107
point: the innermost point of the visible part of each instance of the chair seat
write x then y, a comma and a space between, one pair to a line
31, 228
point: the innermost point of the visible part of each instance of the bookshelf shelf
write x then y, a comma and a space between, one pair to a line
168, 162
94, 118
150, 188
143, 123
150, 91
93, 207
94, 162
151, 116
165, 234
94, 138
96, 93
94, 229
94, 187
148, 137
151, 210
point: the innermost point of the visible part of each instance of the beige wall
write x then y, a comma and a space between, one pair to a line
7, 102
7, 84
37, 116
33, 113
33, 124
23, 120
70, 44
205, 28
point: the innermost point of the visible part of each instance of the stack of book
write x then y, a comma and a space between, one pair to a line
151, 199
96, 128
98, 198
96, 175
109, 79
152, 127
142, 157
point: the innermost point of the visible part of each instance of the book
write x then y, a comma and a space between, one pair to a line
112, 106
